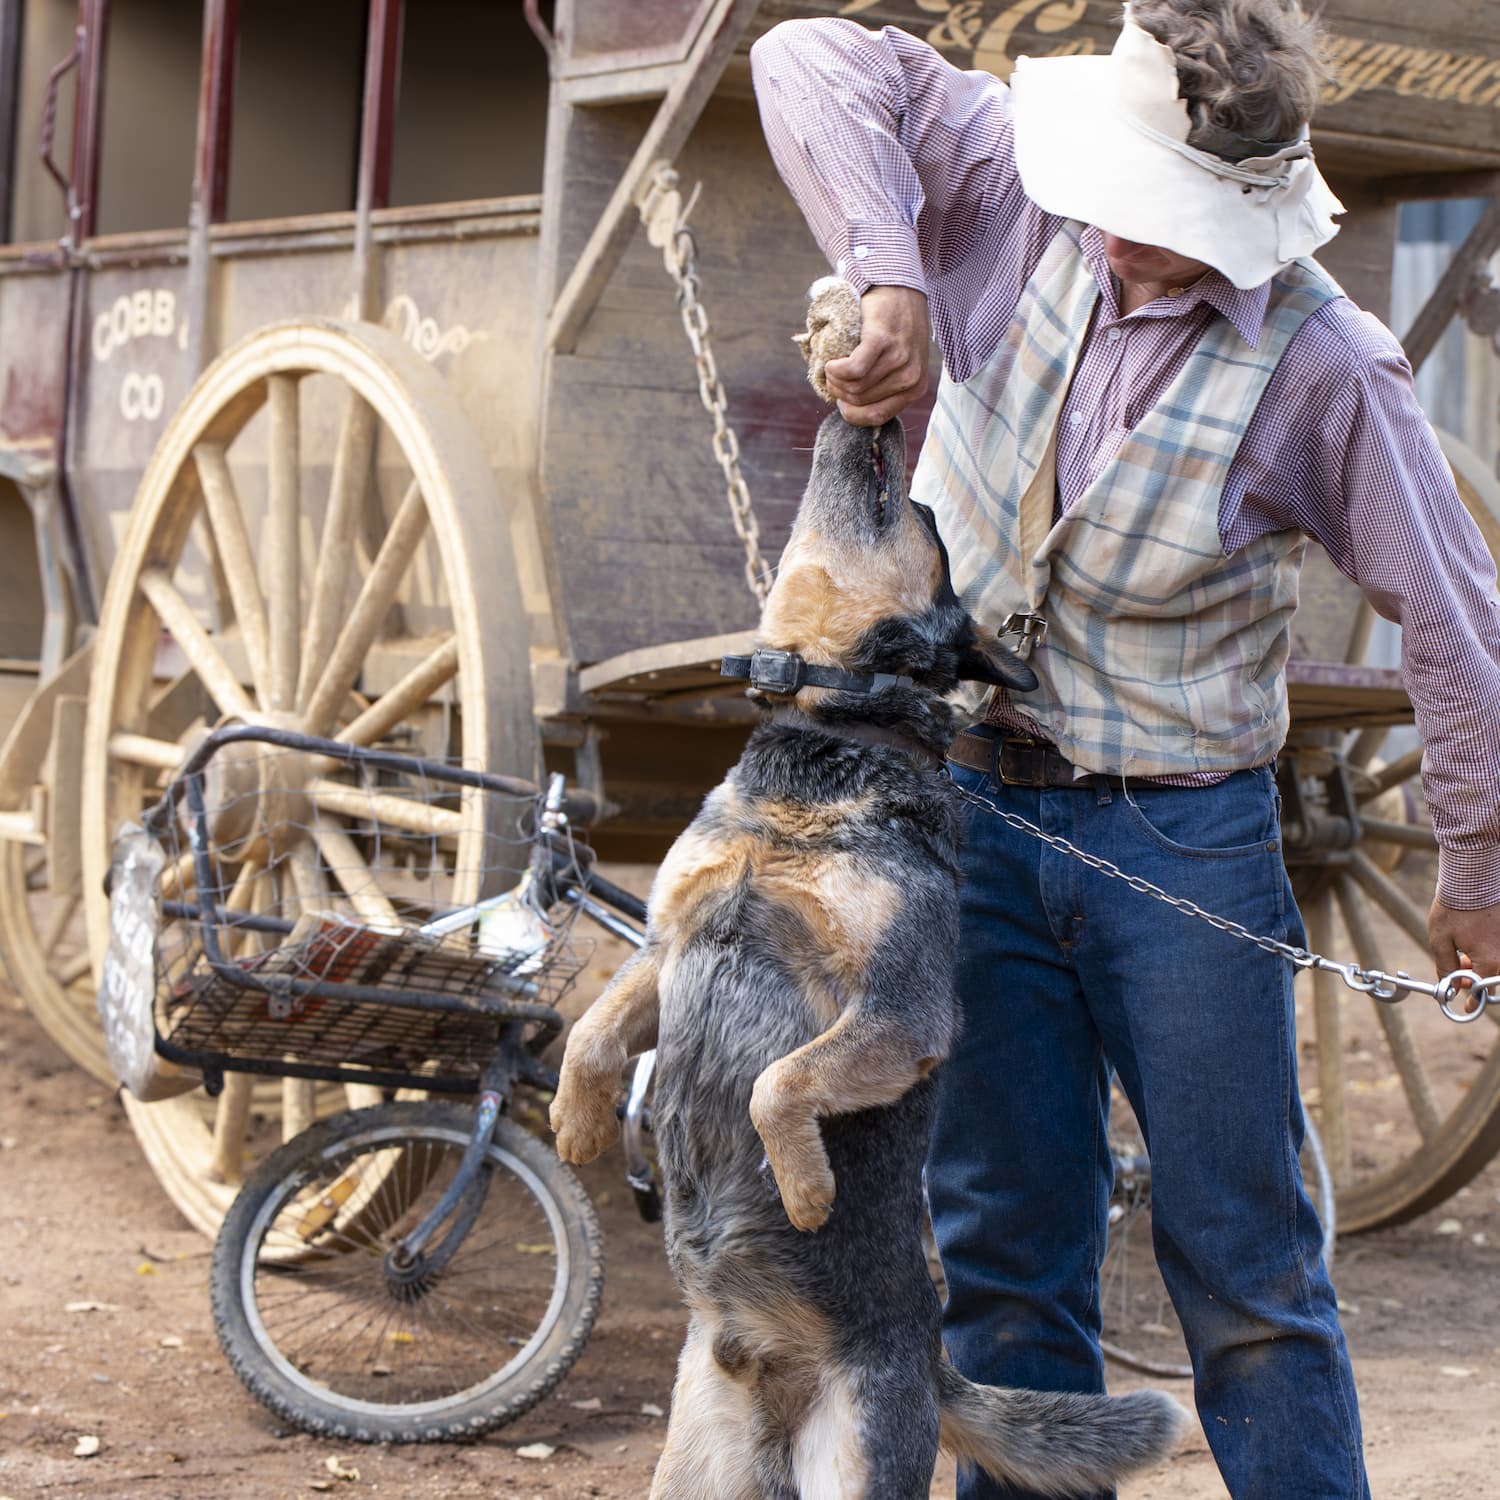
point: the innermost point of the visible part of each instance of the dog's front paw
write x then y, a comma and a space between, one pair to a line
583, 1114
807, 1197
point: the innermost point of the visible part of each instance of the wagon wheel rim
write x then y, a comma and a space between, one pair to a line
297, 618
1442, 1123
42, 936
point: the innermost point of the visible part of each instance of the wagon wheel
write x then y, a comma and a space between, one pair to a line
374, 628
42, 936
1408, 1103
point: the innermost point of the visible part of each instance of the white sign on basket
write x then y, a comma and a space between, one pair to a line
127, 987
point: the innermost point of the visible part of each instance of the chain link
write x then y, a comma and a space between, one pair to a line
665, 217
1447, 991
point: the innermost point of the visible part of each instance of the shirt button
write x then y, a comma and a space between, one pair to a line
1076, 419
1114, 335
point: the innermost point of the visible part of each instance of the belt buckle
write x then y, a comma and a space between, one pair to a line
1034, 756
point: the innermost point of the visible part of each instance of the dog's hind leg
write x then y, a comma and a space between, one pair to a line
619, 1024
710, 1452
864, 1060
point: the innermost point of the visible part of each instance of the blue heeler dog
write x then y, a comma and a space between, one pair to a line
796, 981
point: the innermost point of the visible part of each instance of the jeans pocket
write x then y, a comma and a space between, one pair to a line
1232, 819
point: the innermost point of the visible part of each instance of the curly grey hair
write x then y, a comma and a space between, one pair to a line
1251, 67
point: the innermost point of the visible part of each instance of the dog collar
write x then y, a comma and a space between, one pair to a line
786, 672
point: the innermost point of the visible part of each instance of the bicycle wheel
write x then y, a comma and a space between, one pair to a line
324, 1334
1141, 1329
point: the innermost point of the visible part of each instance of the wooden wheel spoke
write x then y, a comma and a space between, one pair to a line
57, 928
75, 969
283, 551
1327, 1017
213, 671
1389, 897
1408, 835
143, 750
351, 469
399, 812
1399, 770
405, 697
1393, 1022
376, 595
251, 891
357, 879
236, 559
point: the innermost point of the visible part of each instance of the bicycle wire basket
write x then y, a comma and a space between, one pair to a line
336, 913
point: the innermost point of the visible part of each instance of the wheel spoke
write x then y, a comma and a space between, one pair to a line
1391, 899
1398, 1038
236, 559
1403, 768
1328, 1019
142, 750
351, 469
58, 926
400, 812
376, 595
231, 1118
348, 867
405, 697
1408, 835
195, 643
75, 969
283, 552
298, 1110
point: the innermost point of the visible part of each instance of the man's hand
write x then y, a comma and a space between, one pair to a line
888, 371
1465, 940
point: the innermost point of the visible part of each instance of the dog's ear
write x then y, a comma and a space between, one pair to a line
981, 660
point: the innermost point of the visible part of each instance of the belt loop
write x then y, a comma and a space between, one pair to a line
1106, 793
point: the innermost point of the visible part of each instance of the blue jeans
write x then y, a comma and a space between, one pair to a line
1061, 973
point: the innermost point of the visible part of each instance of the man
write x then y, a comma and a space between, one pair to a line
1150, 399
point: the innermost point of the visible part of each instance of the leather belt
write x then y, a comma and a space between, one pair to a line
1012, 760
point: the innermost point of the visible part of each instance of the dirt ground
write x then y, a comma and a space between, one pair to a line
84, 1222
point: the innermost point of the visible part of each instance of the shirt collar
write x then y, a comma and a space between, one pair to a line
1246, 310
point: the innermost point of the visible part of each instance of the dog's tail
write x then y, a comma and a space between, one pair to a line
1055, 1442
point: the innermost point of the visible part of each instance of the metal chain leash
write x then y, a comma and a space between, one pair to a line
665, 217
1447, 991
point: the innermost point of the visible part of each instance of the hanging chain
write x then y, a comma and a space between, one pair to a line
1448, 991
665, 217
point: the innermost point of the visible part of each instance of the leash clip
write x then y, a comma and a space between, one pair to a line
1031, 628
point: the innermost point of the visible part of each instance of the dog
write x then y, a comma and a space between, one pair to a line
796, 981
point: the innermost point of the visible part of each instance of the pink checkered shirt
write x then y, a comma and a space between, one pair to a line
904, 168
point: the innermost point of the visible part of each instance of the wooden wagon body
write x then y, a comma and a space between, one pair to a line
368, 270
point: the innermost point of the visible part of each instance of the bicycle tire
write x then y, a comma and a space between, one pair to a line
1141, 1330
341, 1220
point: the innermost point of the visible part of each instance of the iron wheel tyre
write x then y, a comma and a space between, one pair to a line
424, 1363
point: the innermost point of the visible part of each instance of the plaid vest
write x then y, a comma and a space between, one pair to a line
1162, 655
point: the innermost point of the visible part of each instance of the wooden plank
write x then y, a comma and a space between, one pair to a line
663, 139
667, 668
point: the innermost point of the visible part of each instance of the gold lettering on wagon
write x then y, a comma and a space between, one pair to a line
970, 26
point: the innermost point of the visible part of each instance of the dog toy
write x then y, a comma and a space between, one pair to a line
832, 329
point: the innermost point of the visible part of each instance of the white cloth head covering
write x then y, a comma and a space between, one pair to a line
1104, 140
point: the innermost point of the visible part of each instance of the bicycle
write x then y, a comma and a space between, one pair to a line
412, 1270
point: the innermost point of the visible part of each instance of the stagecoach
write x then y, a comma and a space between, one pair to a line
356, 378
